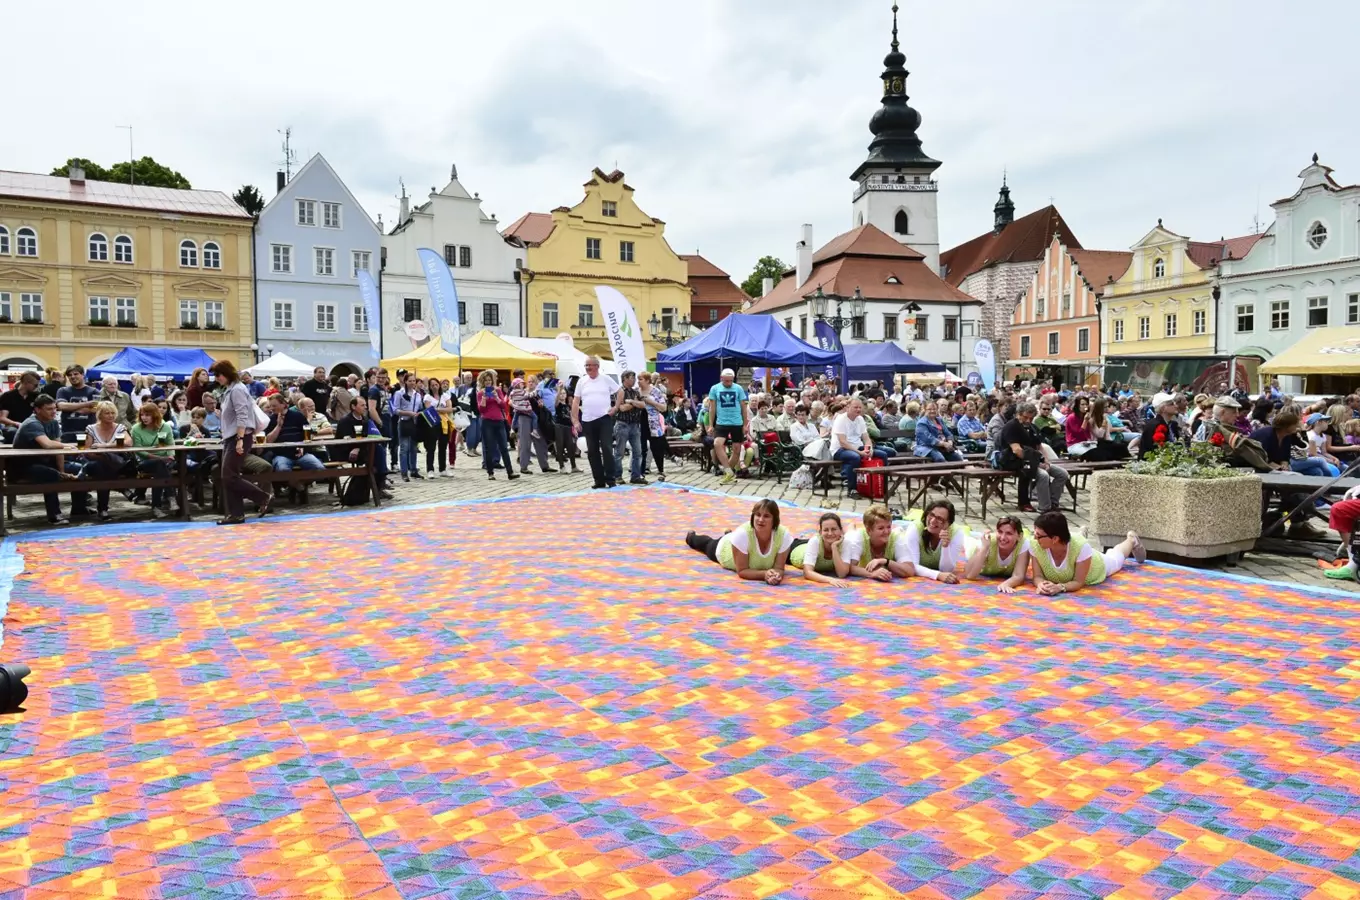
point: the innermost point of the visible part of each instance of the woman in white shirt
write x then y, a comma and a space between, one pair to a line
802, 432
757, 551
936, 550
818, 558
877, 550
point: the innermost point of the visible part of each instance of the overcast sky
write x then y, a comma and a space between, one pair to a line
734, 121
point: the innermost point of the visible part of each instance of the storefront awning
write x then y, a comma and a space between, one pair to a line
1327, 351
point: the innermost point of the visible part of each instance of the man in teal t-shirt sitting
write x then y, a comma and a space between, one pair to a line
730, 415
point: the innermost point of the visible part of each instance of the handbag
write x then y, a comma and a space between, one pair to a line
461, 420
1081, 448
261, 420
818, 449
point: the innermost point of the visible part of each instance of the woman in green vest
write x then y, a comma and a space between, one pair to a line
1003, 553
876, 550
937, 549
818, 559
1061, 563
757, 551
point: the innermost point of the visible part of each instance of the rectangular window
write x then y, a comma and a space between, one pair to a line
951, 328
788, 324
857, 329
125, 310
1201, 321
1246, 318
1119, 330
609, 208
802, 323
491, 314
1169, 325
31, 308
1279, 315
1353, 309
713, 317
283, 315
592, 248
625, 251
282, 255
410, 311
6, 307
1083, 340
360, 260
1053, 343
330, 215
1066, 305
1040, 306
465, 257
214, 315
550, 317
667, 318
325, 317
922, 327
359, 318
188, 314
325, 261
99, 310
451, 254
889, 326
1144, 327
1317, 312
585, 316
1024, 346
306, 212
462, 312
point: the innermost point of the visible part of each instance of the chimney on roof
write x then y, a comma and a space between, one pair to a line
804, 251
77, 175
280, 181
766, 285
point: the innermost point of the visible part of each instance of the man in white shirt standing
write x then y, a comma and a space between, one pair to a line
591, 414
850, 442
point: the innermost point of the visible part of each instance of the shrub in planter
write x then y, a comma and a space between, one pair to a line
1182, 501
32, 320
213, 327
99, 322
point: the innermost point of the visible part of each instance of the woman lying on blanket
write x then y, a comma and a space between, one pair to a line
757, 551
877, 550
1060, 563
1002, 553
935, 550
818, 558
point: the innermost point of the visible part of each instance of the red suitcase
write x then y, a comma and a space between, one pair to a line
867, 483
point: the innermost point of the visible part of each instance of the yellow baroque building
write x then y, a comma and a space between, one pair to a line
90, 267
605, 239
1163, 304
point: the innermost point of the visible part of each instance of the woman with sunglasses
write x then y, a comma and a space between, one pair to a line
1060, 563
757, 551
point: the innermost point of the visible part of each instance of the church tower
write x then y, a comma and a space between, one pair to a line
895, 189
1004, 211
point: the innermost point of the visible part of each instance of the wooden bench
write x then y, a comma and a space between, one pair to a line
332, 471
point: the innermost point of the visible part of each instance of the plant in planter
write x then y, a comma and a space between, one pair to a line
188, 326
127, 323
6, 320
1182, 501
213, 326
31, 320
99, 321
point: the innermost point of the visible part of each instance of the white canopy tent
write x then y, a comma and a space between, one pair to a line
570, 361
280, 365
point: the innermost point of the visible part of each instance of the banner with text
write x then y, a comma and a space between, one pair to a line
986, 362
828, 339
622, 331
444, 296
373, 309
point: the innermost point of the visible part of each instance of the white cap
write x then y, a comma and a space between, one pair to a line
728, 373
1161, 399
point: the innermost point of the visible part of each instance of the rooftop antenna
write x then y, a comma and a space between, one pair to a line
289, 155
1256, 218
132, 157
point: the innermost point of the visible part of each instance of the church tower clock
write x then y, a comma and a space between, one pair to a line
895, 188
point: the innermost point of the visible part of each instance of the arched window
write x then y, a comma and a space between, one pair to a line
99, 248
4, 240
212, 255
26, 240
122, 249
188, 254
900, 222
1159, 269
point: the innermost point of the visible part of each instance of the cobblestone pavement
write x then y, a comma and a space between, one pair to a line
469, 481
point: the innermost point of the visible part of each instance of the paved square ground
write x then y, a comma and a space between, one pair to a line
554, 697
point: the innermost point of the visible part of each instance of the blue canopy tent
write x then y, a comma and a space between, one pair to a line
741, 340
177, 364
879, 361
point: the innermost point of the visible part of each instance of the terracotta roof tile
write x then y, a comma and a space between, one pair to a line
59, 189
709, 284
1206, 254
866, 240
1099, 266
845, 273
1024, 240
531, 228
698, 266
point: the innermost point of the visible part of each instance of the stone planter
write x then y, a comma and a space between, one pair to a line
1190, 517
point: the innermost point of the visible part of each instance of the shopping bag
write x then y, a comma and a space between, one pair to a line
869, 484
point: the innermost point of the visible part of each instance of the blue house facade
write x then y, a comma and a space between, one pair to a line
310, 243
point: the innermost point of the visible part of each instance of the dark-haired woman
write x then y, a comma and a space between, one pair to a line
1001, 554
935, 550
1060, 563
757, 551
818, 558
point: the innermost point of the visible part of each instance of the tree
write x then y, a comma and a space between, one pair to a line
768, 267
146, 171
249, 199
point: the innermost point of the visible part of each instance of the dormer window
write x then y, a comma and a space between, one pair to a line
893, 279
609, 208
1159, 269
1317, 235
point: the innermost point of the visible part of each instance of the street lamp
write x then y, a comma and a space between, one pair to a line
670, 338
255, 351
821, 300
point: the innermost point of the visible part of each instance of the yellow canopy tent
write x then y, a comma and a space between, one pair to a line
1327, 351
484, 350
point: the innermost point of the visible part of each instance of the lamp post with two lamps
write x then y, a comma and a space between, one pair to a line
820, 302
669, 338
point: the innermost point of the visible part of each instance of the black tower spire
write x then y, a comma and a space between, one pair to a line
1004, 209
894, 124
